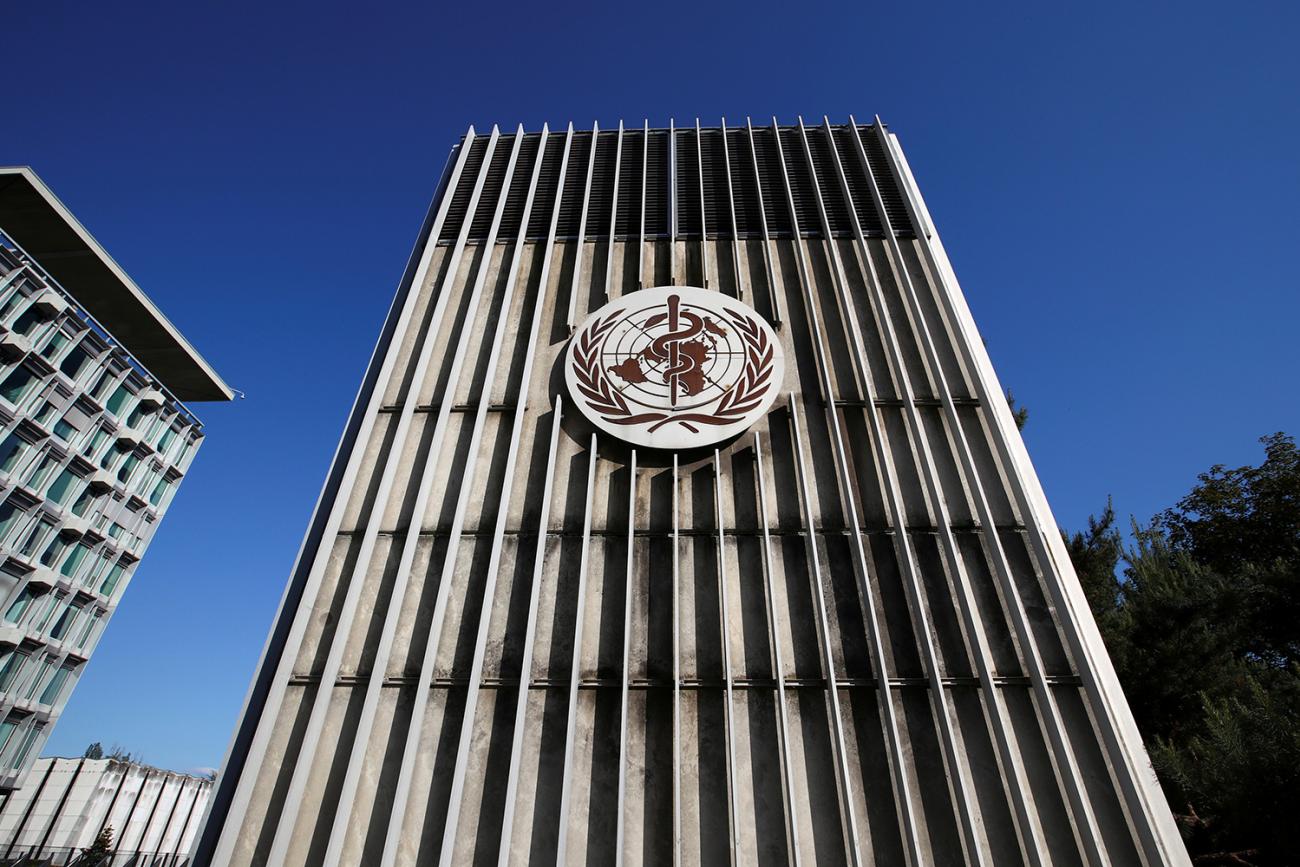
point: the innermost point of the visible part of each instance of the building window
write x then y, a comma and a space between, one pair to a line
94, 443
61, 487
110, 580
54, 550
75, 559
11, 450
83, 504
64, 429
66, 618
137, 416
49, 605
166, 440
57, 341
159, 491
55, 686
80, 643
10, 664
7, 729
27, 321
9, 516
20, 605
128, 466
76, 362
118, 400
35, 537
28, 739
42, 471
17, 383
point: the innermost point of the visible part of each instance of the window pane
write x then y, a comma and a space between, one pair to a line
20, 605
70, 565
75, 363
15, 384
51, 692
62, 486
10, 451
118, 399
24, 324
110, 582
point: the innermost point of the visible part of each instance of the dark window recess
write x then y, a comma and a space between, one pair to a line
490, 197
828, 181
801, 183
656, 186
539, 221
744, 186
513, 214
602, 186
753, 192
772, 184
895, 206
575, 186
628, 222
717, 203
464, 189
863, 204
688, 185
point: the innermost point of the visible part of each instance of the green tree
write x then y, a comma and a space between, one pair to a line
1203, 628
94, 751
100, 849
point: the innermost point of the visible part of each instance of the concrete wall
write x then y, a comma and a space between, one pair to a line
65, 803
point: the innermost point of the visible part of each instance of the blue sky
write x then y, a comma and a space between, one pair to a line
1116, 185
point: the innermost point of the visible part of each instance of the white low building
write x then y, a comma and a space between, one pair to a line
65, 803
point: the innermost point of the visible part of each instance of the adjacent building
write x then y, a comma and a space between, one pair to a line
152, 814
94, 442
681, 519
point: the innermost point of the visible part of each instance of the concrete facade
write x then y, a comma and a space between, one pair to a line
849, 635
93, 447
154, 814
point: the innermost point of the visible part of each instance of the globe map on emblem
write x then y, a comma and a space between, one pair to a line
674, 367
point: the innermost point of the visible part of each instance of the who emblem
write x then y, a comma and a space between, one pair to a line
674, 367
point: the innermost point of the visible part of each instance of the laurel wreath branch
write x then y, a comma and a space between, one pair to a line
745, 394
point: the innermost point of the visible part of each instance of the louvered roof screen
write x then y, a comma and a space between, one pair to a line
743, 177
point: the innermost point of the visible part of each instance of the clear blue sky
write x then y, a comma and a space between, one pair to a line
1116, 185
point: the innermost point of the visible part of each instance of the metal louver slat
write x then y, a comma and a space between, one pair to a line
548, 180
602, 186
575, 182
744, 187
688, 186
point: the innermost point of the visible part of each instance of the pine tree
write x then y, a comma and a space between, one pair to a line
101, 849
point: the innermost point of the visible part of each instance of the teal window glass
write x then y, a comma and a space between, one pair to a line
159, 491
15, 385
7, 729
128, 466
28, 739
96, 440
62, 486
10, 666
83, 504
75, 363
55, 686
85, 630
45, 413
166, 440
66, 618
57, 341
10, 451
75, 559
20, 605
137, 415
42, 471
64, 430
34, 537
27, 321
118, 399
9, 516
54, 550
110, 580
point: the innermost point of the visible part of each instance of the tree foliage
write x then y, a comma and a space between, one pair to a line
1203, 629
94, 751
97, 851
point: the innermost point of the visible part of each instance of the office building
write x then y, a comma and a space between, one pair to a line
94, 442
681, 519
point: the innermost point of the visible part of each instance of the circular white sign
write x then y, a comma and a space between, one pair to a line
674, 367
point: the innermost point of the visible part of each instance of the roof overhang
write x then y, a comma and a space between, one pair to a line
35, 218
